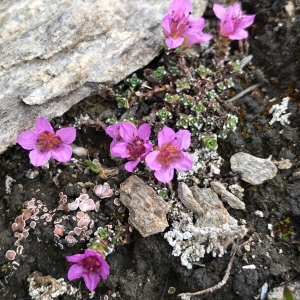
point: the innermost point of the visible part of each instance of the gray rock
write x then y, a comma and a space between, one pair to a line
226, 196
186, 197
147, 211
252, 169
215, 214
55, 53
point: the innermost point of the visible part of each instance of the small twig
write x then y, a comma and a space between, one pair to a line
221, 283
244, 92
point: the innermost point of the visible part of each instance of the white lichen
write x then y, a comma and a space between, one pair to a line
48, 288
210, 233
207, 163
8, 183
279, 112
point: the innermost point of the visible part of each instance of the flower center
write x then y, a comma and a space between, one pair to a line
136, 148
168, 153
179, 24
90, 264
48, 141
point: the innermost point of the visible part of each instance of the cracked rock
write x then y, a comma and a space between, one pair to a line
226, 196
252, 169
147, 210
56, 53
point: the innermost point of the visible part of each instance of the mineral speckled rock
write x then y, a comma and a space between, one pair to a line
55, 53
147, 211
252, 169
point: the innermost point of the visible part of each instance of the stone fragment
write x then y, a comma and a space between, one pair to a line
226, 196
56, 53
215, 214
252, 169
147, 211
186, 197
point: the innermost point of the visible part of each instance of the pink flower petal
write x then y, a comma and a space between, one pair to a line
104, 269
182, 139
120, 150
184, 163
63, 153
91, 280
148, 147
197, 24
165, 174
113, 130
166, 135
130, 165
128, 131
144, 132
246, 21
226, 27
166, 21
180, 6
42, 125
39, 158
75, 258
27, 140
219, 11
238, 35
75, 272
173, 43
151, 161
67, 134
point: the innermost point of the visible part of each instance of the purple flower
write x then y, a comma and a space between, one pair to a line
45, 143
90, 265
180, 29
130, 142
233, 21
169, 154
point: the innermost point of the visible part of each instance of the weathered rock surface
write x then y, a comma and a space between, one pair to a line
55, 53
186, 197
252, 169
147, 211
226, 196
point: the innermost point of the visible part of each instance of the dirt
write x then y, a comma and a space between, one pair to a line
145, 267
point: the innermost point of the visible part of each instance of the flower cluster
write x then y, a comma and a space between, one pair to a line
133, 144
90, 265
181, 30
233, 22
45, 143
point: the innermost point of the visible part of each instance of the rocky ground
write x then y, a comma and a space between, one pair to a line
144, 268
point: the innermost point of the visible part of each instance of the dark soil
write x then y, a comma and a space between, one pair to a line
145, 268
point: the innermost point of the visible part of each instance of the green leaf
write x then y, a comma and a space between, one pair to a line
92, 166
287, 294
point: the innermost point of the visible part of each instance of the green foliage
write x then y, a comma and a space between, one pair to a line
134, 82
182, 84
163, 114
287, 294
92, 167
160, 73
163, 193
210, 142
112, 120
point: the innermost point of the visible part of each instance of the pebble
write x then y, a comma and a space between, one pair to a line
252, 169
